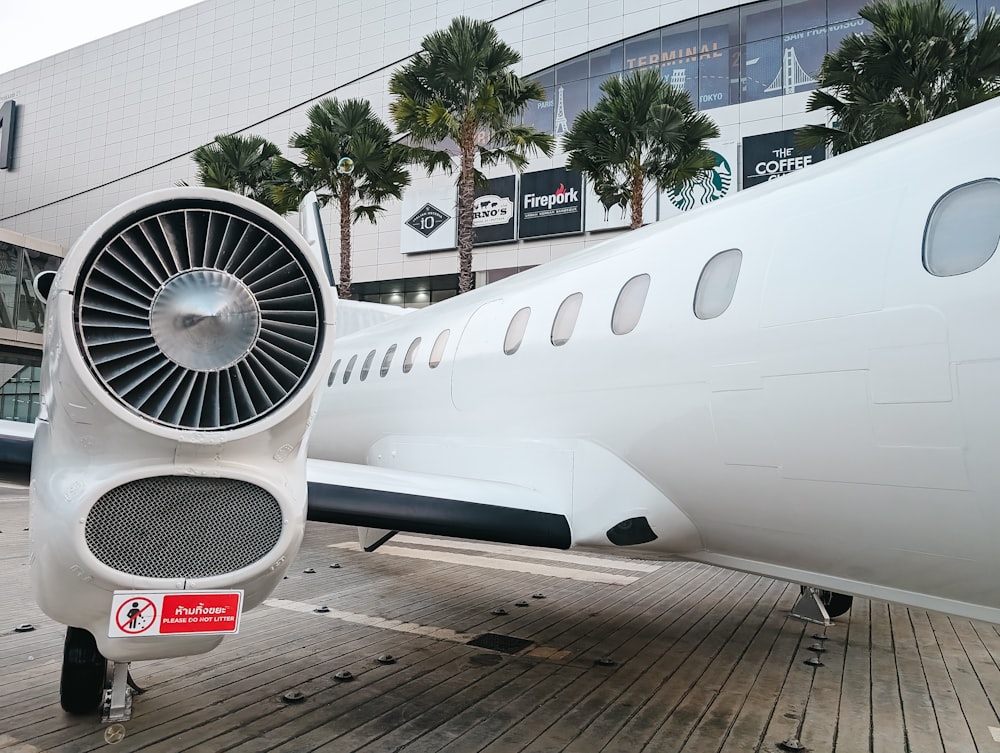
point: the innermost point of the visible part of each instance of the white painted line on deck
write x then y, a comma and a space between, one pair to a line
589, 576
441, 634
19, 747
995, 731
534, 554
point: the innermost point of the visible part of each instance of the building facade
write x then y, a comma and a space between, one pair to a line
90, 127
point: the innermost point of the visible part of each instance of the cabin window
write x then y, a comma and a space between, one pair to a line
628, 307
717, 284
437, 352
963, 229
565, 321
350, 368
387, 361
515, 331
366, 366
411, 353
333, 373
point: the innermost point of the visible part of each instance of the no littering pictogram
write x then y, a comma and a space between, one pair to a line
136, 615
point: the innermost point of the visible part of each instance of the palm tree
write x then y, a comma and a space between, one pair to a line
459, 86
349, 155
642, 129
921, 60
241, 164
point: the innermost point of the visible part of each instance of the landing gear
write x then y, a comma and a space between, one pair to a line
819, 606
81, 687
836, 604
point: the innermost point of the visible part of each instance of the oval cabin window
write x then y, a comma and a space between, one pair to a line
437, 352
717, 284
628, 307
333, 373
349, 368
366, 366
515, 331
411, 354
963, 229
387, 361
565, 321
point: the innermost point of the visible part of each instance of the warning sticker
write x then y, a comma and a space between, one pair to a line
174, 612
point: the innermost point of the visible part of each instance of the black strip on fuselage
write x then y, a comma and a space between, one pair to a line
369, 508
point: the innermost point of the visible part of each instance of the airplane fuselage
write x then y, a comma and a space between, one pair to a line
834, 425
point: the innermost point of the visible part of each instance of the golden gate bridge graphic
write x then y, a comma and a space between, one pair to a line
791, 74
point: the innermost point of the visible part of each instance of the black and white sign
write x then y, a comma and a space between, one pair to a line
428, 220
493, 211
551, 203
772, 155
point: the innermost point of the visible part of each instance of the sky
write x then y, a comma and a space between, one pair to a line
32, 29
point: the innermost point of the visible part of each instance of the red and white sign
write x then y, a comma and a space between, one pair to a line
174, 613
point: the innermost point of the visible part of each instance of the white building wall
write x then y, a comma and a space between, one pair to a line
119, 116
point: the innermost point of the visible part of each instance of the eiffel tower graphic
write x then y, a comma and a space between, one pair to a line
791, 74
561, 125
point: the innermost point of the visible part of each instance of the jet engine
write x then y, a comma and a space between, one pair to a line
187, 336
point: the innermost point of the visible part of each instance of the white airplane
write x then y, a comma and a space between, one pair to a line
800, 382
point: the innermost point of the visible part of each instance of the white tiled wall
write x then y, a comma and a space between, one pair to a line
120, 116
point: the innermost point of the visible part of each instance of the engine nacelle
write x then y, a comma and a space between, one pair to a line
188, 333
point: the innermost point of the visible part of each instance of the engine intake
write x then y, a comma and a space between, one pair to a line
199, 315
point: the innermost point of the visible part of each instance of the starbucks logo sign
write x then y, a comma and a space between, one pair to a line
710, 185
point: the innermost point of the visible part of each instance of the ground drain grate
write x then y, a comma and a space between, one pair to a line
496, 642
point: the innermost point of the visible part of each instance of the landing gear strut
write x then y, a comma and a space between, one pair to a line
819, 606
91, 683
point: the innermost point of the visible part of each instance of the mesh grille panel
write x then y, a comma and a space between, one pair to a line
183, 527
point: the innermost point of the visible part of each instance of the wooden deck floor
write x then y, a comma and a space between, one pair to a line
704, 660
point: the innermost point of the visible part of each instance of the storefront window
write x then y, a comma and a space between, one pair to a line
761, 20
643, 51
607, 60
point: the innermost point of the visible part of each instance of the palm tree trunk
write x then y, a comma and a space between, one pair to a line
466, 197
638, 182
344, 288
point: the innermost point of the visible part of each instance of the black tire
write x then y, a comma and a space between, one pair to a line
81, 687
836, 604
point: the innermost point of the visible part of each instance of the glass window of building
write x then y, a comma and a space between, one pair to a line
628, 307
642, 51
763, 75
681, 56
10, 258
19, 394
573, 70
720, 30
411, 354
515, 331
437, 352
571, 100
607, 59
387, 361
838, 31
349, 368
30, 310
842, 10
760, 20
963, 229
333, 373
717, 284
565, 320
802, 15
367, 365
541, 115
